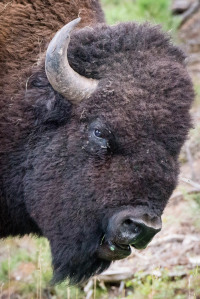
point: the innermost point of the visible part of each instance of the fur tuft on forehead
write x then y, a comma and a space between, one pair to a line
99, 51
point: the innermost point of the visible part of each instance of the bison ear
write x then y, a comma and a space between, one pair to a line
49, 106
54, 110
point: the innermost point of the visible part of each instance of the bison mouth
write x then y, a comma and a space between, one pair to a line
113, 251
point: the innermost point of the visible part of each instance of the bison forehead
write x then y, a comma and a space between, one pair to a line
143, 111
96, 52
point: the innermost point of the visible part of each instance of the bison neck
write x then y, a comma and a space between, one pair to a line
14, 218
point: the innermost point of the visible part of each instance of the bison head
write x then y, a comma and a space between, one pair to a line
102, 160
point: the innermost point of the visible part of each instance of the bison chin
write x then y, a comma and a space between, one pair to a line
76, 263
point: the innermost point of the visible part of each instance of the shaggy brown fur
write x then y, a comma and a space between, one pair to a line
56, 180
27, 25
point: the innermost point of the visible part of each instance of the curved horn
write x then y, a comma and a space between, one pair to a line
59, 73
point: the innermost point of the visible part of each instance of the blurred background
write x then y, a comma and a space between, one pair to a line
170, 266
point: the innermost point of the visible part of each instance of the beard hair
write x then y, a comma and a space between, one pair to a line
78, 261
77, 273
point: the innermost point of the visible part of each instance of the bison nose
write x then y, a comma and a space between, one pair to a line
130, 228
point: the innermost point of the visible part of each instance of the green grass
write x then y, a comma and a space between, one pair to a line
36, 283
156, 12
165, 287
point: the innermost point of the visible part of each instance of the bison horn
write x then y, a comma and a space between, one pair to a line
59, 73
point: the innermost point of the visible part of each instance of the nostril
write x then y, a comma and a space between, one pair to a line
128, 222
131, 226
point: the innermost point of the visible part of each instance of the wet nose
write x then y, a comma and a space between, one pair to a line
128, 231
129, 228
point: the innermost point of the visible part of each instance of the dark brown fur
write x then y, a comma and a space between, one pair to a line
55, 180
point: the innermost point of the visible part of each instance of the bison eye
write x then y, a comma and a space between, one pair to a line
98, 133
100, 137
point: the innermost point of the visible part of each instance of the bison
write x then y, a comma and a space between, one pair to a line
91, 129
